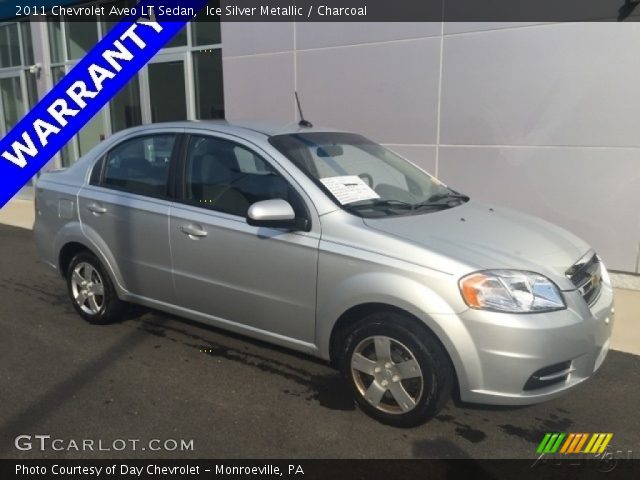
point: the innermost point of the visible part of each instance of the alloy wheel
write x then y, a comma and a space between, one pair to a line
87, 288
387, 374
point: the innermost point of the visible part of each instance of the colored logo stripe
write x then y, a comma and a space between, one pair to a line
574, 443
550, 443
598, 443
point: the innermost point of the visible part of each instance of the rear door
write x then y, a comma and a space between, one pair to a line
258, 277
127, 206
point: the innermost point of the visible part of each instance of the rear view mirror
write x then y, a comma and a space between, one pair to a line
329, 151
276, 213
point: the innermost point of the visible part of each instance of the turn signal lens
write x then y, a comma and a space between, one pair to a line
471, 289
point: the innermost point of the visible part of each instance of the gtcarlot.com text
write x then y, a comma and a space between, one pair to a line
44, 443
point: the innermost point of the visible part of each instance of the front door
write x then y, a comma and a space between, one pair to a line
260, 278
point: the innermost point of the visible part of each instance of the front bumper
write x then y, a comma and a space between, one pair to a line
506, 352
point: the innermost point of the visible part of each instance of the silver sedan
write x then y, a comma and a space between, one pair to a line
328, 243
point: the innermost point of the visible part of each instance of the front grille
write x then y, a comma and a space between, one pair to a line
586, 275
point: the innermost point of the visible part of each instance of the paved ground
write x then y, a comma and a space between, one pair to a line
156, 376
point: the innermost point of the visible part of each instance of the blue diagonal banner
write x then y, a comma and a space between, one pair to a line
86, 89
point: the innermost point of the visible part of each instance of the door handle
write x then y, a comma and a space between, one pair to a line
193, 231
96, 208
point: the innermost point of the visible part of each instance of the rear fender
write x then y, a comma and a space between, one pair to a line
75, 232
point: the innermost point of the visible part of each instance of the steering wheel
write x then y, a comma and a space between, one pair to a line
367, 178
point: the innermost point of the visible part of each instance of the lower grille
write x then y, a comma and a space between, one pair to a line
550, 375
586, 275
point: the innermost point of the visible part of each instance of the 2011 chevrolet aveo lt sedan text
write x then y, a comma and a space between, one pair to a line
330, 244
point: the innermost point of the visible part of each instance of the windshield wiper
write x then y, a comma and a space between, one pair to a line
436, 200
381, 203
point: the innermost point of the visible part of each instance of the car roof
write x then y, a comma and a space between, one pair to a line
266, 128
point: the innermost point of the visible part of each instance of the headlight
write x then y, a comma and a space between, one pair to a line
606, 279
511, 291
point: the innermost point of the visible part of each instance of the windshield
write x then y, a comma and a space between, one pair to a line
364, 177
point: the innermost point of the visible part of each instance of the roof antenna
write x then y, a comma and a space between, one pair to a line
303, 123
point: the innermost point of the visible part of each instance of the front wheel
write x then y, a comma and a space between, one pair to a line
398, 371
91, 291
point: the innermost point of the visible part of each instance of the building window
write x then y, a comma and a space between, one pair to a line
180, 40
188, 72
167, 92
81, 37
27, 44
126, 109
68, 43
205, 32
32, 90
12, 101
9, 46
183, 81
18, 89
57, 73
17, 84
207, 71
55, 40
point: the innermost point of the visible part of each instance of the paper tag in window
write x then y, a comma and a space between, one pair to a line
349, 189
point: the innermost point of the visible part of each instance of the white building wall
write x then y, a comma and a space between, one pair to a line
540, 117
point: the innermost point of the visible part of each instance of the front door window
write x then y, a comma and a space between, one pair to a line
227, 177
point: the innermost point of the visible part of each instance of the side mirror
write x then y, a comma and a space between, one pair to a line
276, 213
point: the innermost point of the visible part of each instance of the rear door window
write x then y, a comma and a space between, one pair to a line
140, 165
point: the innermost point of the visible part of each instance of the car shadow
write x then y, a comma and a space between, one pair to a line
328, 389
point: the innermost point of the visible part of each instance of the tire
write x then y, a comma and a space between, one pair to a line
405, 387
91, 291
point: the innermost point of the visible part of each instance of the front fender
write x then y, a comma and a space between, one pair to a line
406, 294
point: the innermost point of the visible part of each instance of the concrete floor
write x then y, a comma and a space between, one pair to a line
18, 213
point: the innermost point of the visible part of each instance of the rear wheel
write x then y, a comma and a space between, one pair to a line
398, 372
91, 290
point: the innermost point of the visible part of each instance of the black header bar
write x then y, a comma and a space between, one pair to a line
361, 10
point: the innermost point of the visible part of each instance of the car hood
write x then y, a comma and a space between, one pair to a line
490, 237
